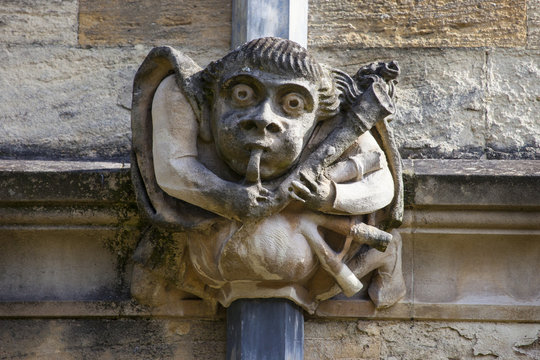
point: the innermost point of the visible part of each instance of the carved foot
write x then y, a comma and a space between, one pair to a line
367, 234
388, 286
348, 282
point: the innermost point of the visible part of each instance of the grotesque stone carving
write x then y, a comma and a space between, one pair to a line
278, 177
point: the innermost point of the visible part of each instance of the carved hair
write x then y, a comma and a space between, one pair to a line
279, 56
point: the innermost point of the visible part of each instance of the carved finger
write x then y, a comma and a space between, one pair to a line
300, 189
311, 184
356, 92
296, 197
341, 80
264, 191
349, 98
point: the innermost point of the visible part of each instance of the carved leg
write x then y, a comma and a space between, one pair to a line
387, 286
360, 232
329, 260
374, 237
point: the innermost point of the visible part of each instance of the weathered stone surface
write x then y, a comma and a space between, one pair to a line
533, 24
65, 182
443, 23
440, 98
73, 103
205, 340
164, 22
58, 102
58, 264
112, 339
38, 22
504, 271
513, 109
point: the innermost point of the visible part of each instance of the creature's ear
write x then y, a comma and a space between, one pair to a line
329, 101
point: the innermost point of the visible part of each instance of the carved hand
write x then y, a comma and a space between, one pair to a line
254, 202
317, 194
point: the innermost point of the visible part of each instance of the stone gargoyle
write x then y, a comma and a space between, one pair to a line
265, 174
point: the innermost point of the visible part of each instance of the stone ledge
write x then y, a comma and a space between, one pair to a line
35, 181
419, 311
51, 181
466, 184
99, 309
337, 309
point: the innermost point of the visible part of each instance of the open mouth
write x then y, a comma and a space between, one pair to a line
257, 145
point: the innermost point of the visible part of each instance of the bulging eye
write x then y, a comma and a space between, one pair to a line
293, 104
243, 95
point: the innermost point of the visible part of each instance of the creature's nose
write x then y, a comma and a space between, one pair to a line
262, 120
260, 125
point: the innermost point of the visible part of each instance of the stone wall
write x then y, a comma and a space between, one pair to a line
471, 244
470, 86
470, 90
128, 339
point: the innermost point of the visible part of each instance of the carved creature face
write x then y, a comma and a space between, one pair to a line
259, 110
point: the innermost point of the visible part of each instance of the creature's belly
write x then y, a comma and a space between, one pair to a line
270, 250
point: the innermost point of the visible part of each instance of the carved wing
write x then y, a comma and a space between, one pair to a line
351, 88
392, 215
154, 202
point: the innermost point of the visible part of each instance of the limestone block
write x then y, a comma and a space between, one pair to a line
470, 23
164, 22
125, 339
475, 268
38, 22
458, 340
440, 98
533, 24
60, 102
514, 103
418, 340
57, 265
